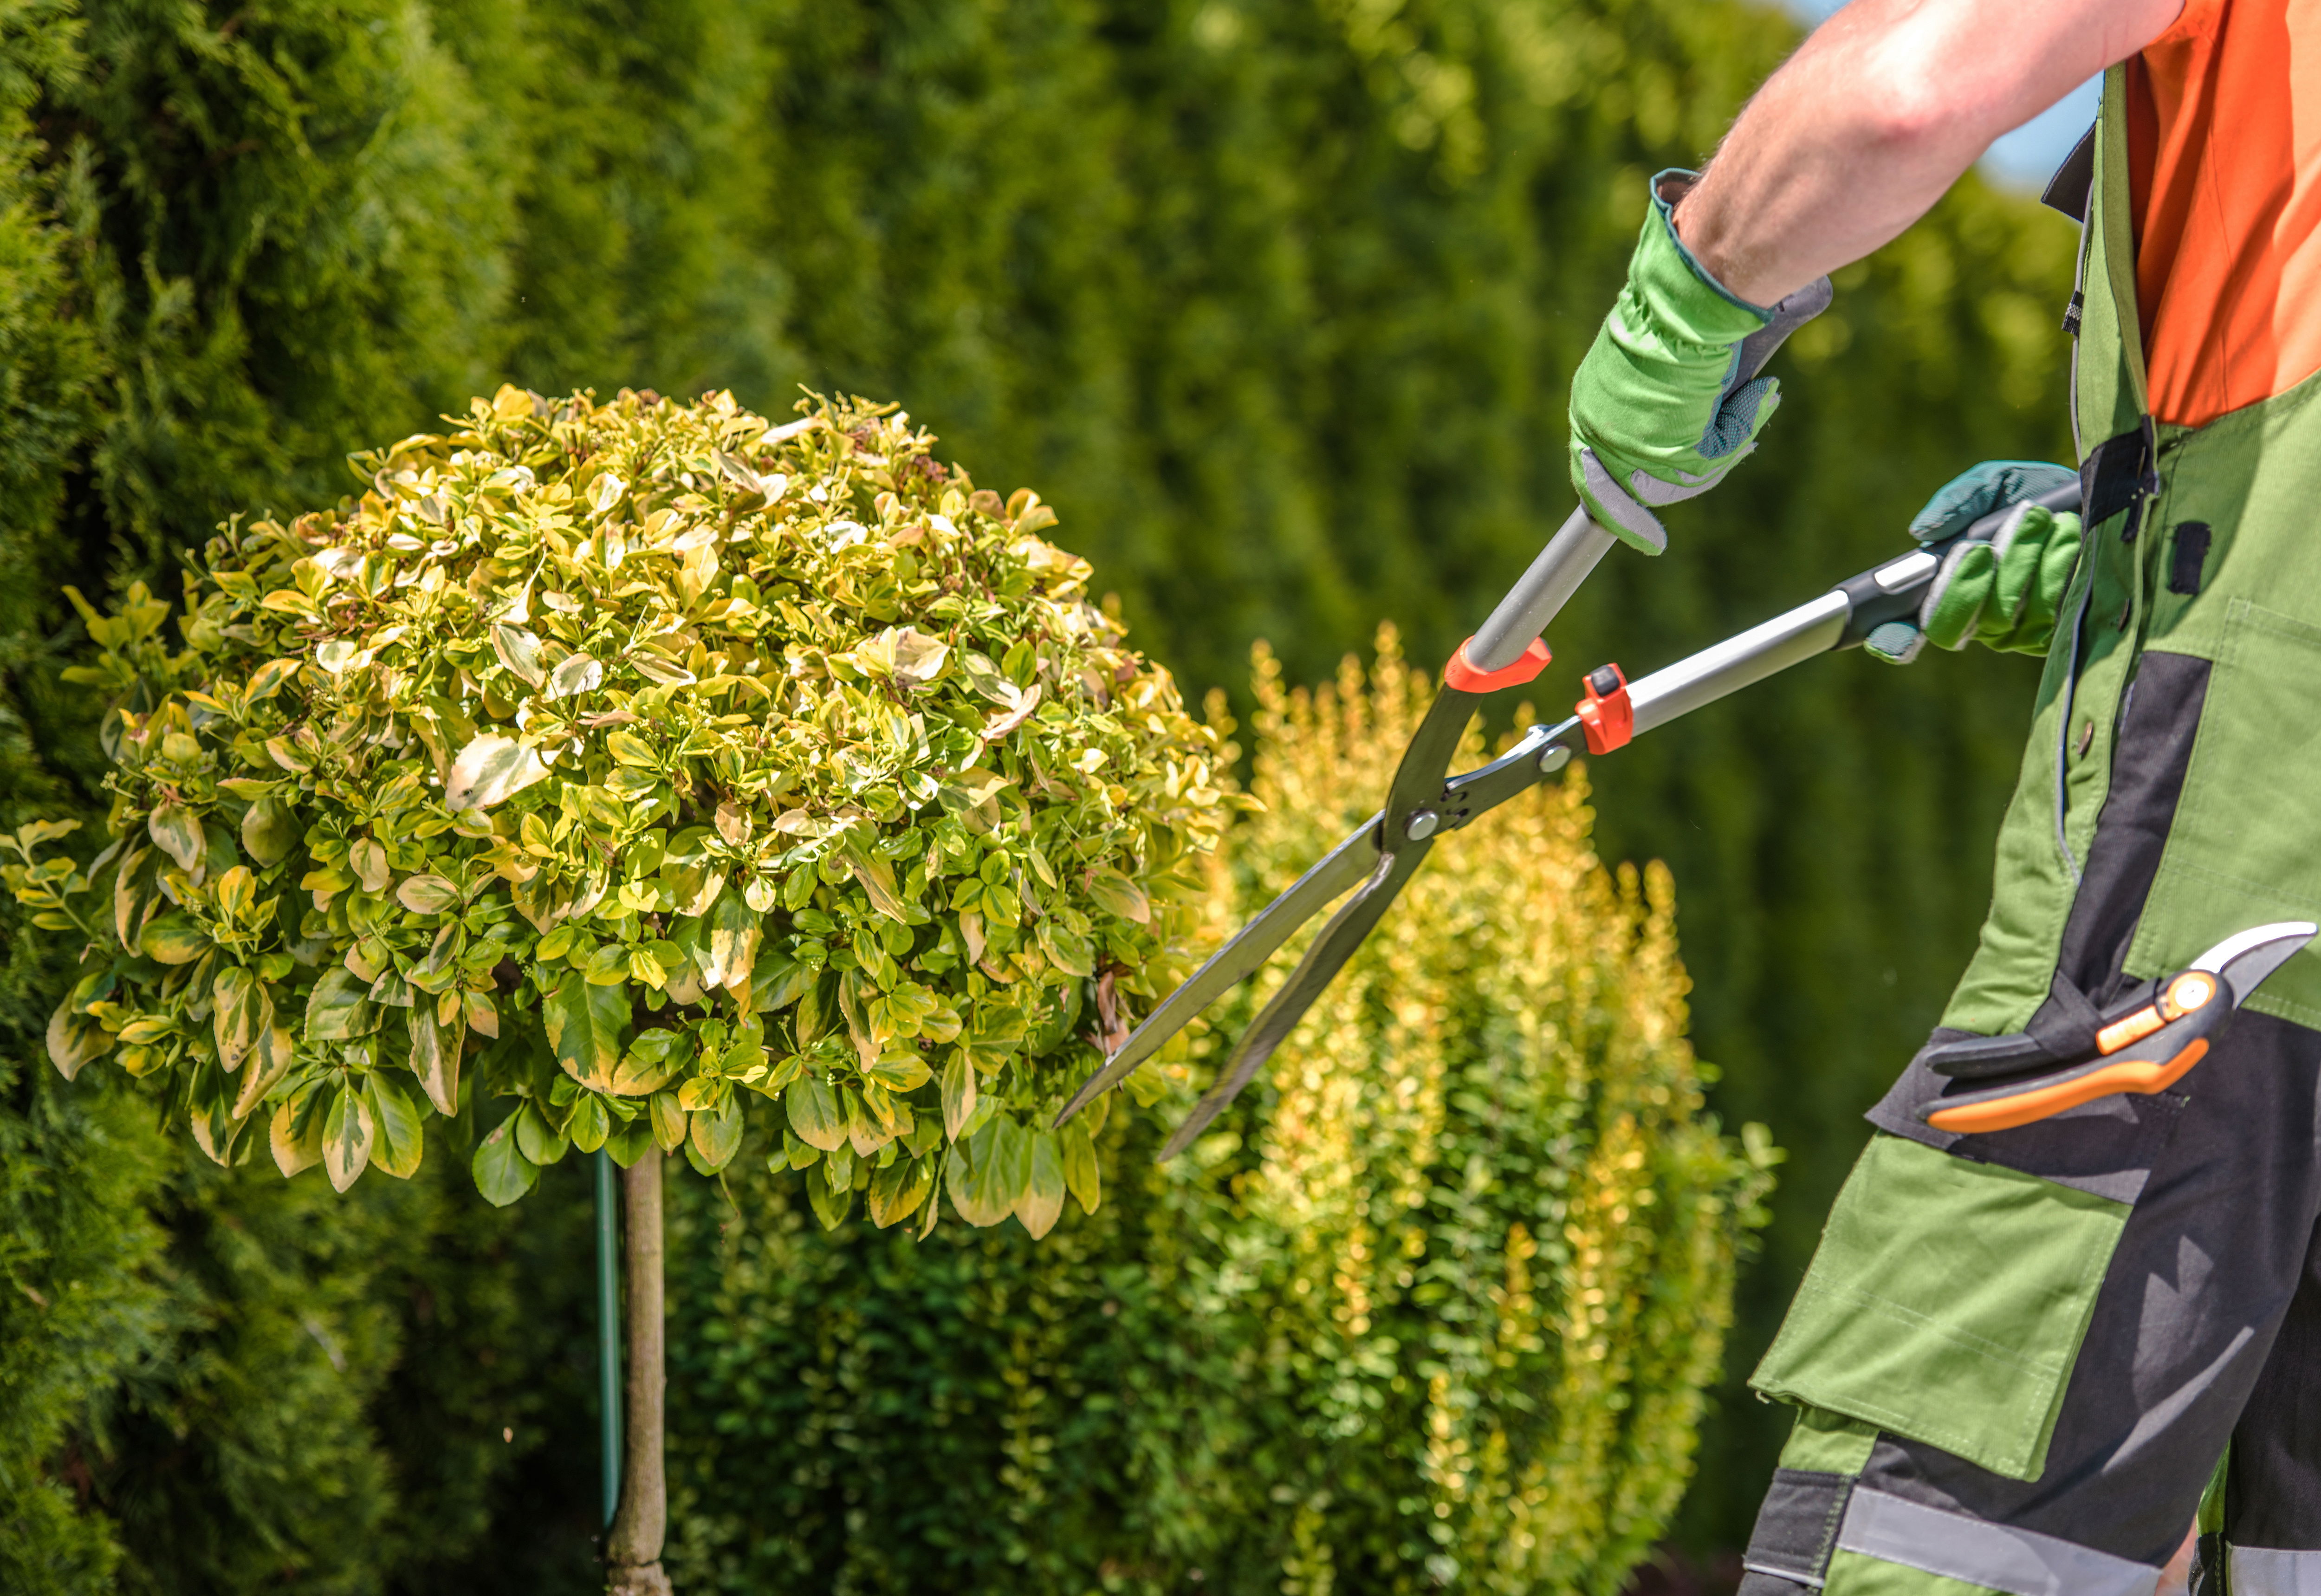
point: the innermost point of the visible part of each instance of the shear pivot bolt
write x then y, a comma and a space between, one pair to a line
1421, 826
1554, 759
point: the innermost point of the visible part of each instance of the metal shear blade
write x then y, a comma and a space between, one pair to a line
1341, 868
1353, 921
2245, 960
1381, 856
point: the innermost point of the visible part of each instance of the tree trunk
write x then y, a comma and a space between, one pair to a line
632, 1550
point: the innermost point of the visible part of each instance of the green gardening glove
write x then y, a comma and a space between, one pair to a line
1668, 399
2004, 593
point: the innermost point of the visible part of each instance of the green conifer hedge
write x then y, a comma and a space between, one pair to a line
1276, 300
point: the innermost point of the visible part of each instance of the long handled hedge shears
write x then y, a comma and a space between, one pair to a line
1424, 802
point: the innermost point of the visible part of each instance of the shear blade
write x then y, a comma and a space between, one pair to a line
1347, 928
1341, 868
1421, 781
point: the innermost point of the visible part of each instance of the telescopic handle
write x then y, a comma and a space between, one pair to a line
1839, 618
1531, 603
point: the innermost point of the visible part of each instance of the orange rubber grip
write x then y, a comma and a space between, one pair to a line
1458, 673
2042, 1102
1607, 717
2194, 988
2135, 1027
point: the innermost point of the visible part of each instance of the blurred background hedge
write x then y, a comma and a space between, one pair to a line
1276, 301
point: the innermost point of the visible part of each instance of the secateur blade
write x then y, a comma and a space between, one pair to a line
2245, 960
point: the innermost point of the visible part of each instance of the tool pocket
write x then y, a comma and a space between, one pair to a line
2241, 848
1947, 1303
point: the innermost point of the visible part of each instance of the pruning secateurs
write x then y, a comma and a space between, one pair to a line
2145, 1042
1424, 802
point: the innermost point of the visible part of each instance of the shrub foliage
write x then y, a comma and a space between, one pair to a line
694, 755
1434, 1308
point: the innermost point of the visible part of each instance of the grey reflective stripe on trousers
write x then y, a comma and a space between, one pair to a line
2259, 1571
2020, 1562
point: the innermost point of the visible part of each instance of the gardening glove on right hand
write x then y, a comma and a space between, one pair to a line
2004, 593
1668, 399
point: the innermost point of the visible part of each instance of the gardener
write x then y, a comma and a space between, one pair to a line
2022, 1359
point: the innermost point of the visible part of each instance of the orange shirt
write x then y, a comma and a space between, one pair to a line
2225, 158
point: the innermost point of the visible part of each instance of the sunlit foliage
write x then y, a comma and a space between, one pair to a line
1437, 1304
654, 755
1275, 300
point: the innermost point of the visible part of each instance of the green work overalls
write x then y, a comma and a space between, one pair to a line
2018, 1357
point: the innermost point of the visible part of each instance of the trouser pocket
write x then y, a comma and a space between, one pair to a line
1947, 1303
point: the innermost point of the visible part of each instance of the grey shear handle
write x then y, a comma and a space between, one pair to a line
1837, 619
1535, 600
1579, 544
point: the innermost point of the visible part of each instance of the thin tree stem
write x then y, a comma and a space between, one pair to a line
632, 1550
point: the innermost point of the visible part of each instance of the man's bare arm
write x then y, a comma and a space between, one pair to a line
1880, 111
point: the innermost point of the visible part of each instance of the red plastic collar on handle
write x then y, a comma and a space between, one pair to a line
1607, 717
1460, 674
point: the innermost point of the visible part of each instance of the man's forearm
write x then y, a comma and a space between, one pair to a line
1878, 114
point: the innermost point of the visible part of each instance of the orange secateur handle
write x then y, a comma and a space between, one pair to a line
2148, 1050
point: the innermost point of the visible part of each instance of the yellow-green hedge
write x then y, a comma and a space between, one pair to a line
1439, 1296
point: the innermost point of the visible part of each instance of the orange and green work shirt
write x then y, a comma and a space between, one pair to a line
2225, 152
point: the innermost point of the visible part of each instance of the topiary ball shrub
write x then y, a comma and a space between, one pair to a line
612, 771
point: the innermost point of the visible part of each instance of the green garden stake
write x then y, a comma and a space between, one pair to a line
608, 1329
